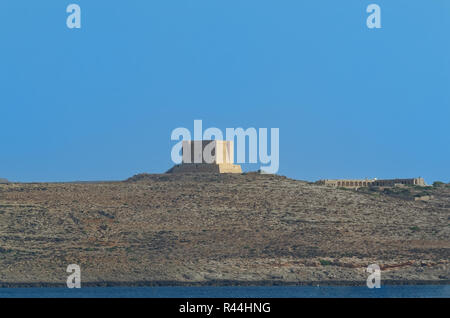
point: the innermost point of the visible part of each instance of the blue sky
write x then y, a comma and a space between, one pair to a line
99, 103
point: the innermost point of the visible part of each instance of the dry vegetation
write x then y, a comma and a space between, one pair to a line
219, 229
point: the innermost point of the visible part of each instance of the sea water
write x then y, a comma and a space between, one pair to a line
405, 291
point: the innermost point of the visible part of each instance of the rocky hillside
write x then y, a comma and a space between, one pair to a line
219, 229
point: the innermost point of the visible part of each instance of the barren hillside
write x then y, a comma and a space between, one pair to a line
218, 229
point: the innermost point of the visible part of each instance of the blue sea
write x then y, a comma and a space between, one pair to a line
231, 292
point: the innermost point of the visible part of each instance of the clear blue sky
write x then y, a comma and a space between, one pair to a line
100, 103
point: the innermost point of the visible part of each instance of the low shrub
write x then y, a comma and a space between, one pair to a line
325, 262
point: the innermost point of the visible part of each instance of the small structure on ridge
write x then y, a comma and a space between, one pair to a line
213, 156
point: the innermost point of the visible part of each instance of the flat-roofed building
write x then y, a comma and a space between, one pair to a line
358, 183
393, 182
346, 183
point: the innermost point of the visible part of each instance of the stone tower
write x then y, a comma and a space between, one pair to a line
214, 156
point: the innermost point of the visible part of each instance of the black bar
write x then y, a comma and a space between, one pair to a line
223, 307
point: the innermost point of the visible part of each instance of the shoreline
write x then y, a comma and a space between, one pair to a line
228, 283
219, 230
